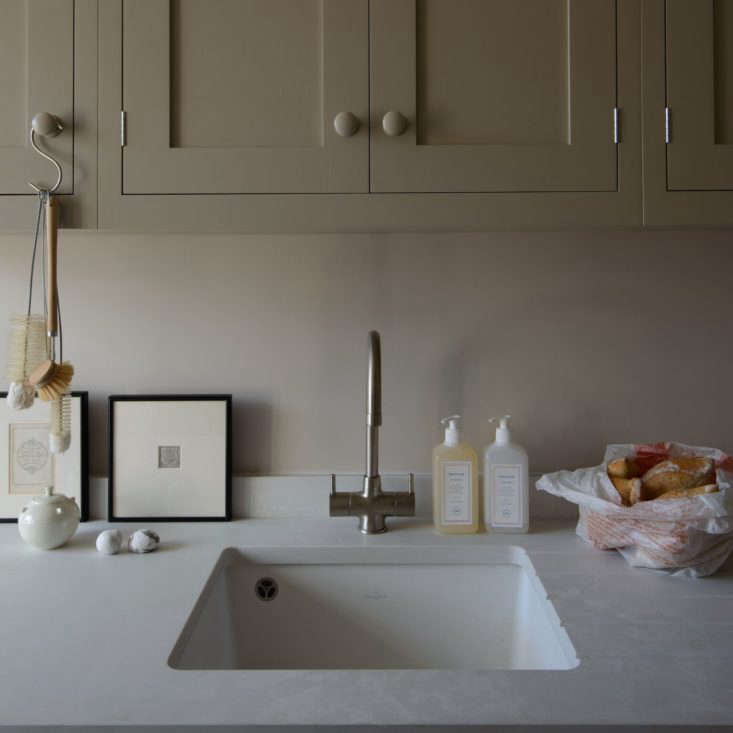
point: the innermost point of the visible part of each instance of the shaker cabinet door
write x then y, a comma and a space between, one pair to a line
493, 95
699, 72
240, 96
36, 75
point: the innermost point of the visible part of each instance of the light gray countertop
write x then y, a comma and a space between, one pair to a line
84, 640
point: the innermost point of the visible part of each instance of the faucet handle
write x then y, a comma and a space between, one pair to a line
410, 485
403, 503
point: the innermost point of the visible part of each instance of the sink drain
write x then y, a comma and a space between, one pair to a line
266, 589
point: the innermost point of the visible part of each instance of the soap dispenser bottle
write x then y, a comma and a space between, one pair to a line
506, 483
455, 483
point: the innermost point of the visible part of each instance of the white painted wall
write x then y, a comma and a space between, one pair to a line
585, 338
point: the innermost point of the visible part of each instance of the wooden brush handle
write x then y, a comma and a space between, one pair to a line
51, 260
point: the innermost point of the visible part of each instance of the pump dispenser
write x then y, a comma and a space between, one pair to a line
502, 432
506, 482
452, 431
455, 482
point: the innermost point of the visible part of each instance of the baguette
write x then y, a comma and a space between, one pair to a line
674, 474
637, 491
689, 493
627, 488
623, 468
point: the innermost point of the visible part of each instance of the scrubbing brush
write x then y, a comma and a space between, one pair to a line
59, 437
26, 349
27, 345
52, 378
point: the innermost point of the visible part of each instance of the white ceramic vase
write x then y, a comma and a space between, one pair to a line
48, 521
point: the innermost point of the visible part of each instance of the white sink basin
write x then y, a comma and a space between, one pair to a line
374, 608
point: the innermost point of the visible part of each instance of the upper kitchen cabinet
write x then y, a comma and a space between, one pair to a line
396, 114
244, 96
36, 75
47, 64
494, 95
688, 112
700, 94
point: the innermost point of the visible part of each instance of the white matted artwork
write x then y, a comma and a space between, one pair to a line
27, 467
170, 457
31, 462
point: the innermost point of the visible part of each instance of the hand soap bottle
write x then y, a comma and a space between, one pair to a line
455, 483
506, 483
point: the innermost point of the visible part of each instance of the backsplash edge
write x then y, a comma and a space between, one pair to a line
306, 496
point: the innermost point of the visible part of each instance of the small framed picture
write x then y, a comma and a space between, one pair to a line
170, 458
27, 467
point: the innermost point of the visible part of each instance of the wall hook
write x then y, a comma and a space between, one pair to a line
46, 125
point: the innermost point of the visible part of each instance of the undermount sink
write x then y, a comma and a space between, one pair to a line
476, 608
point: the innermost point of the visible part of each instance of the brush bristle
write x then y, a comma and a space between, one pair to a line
26, 346
59, 438
58, 384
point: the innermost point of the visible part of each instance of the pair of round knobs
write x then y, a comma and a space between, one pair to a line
347, 123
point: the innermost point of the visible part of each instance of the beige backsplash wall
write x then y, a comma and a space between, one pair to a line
586, 338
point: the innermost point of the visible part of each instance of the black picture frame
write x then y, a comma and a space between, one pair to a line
84, 458
227, 399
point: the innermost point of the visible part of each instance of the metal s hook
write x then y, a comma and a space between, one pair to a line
46, 125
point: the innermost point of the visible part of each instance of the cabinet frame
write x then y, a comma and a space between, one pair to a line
78, 209
153, 163
586, 161
664, 207
47, 70
369, 212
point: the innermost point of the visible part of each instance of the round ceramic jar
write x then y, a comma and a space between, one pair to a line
48, 521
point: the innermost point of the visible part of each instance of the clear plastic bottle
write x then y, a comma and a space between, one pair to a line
455, 483
506, 483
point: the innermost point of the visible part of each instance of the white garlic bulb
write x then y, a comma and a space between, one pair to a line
109, 542
143, 540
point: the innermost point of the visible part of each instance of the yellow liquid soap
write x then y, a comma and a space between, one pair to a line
455, 483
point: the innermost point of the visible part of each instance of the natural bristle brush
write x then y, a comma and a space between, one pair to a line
34, 340
26, 349
59, 436
52, 378
27, 344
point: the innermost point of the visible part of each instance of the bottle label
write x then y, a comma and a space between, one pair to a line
506, 496
457, 484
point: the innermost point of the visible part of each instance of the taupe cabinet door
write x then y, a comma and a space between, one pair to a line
499, 95
700, 94
240, 96
36, 75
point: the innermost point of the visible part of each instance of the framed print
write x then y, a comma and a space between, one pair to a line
170, 458
27, 467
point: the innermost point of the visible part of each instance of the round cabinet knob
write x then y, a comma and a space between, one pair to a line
346, 123
46, 124
394, 123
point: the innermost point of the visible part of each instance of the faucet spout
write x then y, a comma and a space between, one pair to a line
374, 405
372, 505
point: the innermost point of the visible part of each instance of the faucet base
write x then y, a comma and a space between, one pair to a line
372, 524
372, 506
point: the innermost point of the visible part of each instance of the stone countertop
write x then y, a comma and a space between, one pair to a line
85, 640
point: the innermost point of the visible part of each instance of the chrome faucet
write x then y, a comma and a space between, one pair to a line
372, 505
